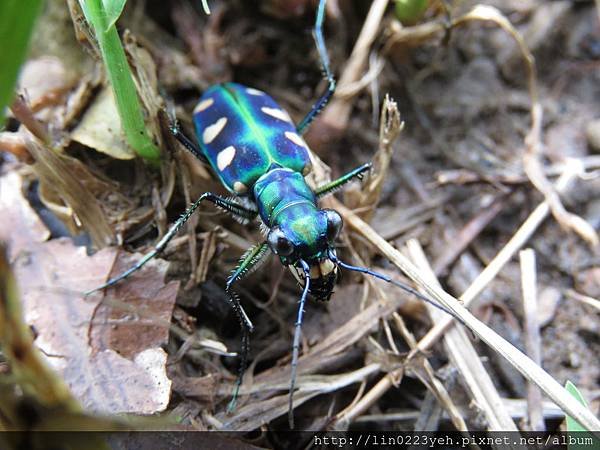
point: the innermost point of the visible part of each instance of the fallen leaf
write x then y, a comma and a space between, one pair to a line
121, 371
135, 314
45, 81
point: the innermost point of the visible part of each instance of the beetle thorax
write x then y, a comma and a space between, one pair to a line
286, 202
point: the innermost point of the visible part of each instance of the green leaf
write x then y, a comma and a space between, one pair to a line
120, 77
575, 427
16, 23
113, 10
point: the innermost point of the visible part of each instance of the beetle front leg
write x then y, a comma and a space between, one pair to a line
248, 262
333, 186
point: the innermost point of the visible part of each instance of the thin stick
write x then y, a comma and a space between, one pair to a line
583, 298
374, 394
339, 109
465, 358
532, 335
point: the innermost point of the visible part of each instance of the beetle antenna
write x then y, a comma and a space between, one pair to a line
403, 286
296, 344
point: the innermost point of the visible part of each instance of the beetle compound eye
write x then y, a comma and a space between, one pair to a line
284, 247
279, 243
334, 224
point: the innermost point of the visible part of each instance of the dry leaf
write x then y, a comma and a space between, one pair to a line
52, 277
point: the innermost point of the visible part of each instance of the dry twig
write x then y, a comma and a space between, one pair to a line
533, 339
465, 358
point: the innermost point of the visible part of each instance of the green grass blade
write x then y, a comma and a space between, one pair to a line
572, 424
119, 74
16, 22
114, 9
575, 427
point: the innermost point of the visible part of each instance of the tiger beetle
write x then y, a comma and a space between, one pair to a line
252, 145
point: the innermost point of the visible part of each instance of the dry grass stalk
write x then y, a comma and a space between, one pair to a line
367, 196
534, 170
257, 413
423, 370
464, 357
533, 141
515, 243
533, 339
338, 111
595, 303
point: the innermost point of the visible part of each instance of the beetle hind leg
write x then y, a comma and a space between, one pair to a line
324, 58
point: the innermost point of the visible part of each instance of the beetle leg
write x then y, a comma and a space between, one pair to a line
248, 262
175, 130
324, 58
296, 342
333, 186
228, 205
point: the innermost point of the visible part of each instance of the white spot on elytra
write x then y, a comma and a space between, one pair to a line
204, 104
295, 138
239, 187
253, 91
277, 113
212, 131
225, 157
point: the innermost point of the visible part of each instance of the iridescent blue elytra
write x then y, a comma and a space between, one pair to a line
244, 133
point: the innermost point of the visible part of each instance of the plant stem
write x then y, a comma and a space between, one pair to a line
119, 74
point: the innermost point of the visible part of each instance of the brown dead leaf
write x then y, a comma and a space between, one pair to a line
134, 315
122, 371
58, 171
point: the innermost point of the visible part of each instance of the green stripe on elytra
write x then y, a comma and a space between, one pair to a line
258, 132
